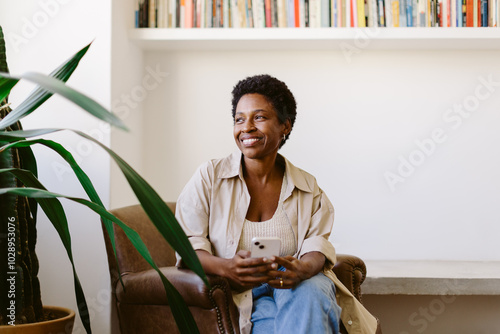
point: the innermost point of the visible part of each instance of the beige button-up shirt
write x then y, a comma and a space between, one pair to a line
212, 208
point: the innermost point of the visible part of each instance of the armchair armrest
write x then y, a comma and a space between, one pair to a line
146, 288
351, 271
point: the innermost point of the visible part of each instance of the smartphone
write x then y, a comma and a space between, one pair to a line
265, 247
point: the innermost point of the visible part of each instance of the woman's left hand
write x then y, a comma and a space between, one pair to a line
297, 270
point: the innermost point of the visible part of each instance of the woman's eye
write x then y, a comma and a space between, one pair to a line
238, 120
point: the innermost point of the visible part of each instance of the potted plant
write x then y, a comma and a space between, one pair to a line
21, 192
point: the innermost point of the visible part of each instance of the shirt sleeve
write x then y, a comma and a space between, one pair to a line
193, 209
320, 227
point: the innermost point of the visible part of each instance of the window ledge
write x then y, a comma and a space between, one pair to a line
432, 278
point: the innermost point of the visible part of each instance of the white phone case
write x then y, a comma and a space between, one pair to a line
265, 247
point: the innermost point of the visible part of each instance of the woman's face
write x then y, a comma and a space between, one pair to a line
257, 129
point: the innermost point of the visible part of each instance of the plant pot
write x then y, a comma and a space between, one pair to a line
62, 325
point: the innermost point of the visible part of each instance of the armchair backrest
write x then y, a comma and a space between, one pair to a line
128, 258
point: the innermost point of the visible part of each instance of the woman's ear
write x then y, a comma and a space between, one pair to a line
288, 126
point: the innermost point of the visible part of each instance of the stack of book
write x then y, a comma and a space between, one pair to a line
315, 13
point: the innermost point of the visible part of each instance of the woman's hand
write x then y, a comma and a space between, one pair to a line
296, 270
242, 271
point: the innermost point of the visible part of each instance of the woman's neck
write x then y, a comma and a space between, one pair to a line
263, 170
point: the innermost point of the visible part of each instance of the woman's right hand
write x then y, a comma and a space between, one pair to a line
245, 272
242, 271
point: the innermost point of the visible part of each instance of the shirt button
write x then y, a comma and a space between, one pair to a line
231, 242
349, 322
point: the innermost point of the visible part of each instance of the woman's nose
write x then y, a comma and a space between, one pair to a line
248, 126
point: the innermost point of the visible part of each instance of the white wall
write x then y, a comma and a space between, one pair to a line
355, 120
40, 35
127, 93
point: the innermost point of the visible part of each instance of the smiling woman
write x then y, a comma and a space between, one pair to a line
258, 193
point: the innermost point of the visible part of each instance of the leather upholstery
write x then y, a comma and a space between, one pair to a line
141, 304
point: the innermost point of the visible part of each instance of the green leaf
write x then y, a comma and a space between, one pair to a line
58, 86
181, 312
39, 95
79, 173
159, 213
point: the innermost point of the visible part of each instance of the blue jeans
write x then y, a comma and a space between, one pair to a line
309, 308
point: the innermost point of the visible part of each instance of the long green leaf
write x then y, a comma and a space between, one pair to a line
181, 312
40, 95
58, 86
55, 213
80, 174
159, 213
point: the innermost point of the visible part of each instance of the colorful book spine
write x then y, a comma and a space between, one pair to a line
267, 8
475, 13
460, 14
302, 13
409, 13
282, 22
354, 13
290, 12
361, 13
381, 13
484, 13
470, 13
325, 13
395, 13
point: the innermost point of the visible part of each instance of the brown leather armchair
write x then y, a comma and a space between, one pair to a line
142, 307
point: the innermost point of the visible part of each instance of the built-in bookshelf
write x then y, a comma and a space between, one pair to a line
317, 39
315, 13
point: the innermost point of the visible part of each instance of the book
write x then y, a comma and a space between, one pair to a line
444, 13
325, 13
460, 16
395, 13
267, 9
249, 13
492, 13
261, 14
296, 17
409, 13
235, 15
484, 13
475, 13
453, 13
388, 13
381, 13
361, 13
347, 15
274, 13
421, 18
282, 15
402, 13
290, 11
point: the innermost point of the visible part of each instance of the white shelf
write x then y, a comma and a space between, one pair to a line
432, 278
317, 38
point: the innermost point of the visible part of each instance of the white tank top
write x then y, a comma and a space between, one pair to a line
278, 226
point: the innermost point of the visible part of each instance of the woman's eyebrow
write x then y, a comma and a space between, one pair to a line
253, 111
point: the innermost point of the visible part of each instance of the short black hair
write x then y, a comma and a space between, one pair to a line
274, 90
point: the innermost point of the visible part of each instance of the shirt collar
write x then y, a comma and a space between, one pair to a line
231, 167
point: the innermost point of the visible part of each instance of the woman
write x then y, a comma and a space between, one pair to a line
257, 192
